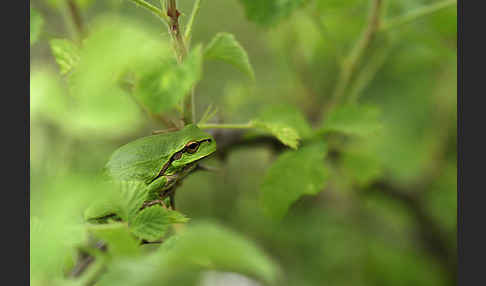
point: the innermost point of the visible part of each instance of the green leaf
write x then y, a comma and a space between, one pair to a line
224, 47
176, 217
114, 50
166, 84
36, 25
119, 240
287, 115
133, 195
66, 54
287, 135
293, 174
361, 120
212, 246
270, 12
125, 200
151, 223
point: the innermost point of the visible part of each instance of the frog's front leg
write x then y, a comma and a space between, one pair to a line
156, 187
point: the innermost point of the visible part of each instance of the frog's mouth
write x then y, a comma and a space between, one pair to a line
183, 172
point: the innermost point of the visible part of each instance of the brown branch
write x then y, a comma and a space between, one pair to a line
175, 30
86, 260
430, 233
188, 108
76, 18
229, 140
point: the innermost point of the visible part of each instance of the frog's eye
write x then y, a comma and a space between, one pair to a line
192, 147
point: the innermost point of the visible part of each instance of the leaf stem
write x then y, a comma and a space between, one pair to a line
367, 74
195, 11
226, 126
351, 61
416, 14
158, 12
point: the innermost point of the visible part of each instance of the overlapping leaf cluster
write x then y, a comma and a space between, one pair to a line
123, 77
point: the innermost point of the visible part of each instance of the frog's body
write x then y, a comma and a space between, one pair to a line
160, 161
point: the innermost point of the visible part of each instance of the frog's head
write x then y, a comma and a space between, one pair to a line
194, 145
147, 158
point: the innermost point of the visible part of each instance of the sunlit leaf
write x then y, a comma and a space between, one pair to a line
112, 50
151, 223
293, 174
132, 196
66, 54
288, 115
285, 134
224, 47
164, 86
176, 217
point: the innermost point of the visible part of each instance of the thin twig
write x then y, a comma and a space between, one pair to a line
225, 126
367, 74
354, 57
416, 14
195, 11
431, 234
156, 11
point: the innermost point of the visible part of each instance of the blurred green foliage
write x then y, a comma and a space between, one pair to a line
367, 198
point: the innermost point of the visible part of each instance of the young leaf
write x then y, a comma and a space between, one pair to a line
288, 115
224, 47
270, 12
211, 246
119, 240
151, 223
125, 200
176, 217
165, 85
293, 174
353, 119
66, 54
36, 25
133, 194
287, 135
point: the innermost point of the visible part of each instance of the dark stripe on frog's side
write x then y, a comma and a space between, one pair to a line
172, 159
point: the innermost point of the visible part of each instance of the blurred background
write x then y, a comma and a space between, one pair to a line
388, 213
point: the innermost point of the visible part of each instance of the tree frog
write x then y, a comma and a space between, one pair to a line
162, 160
